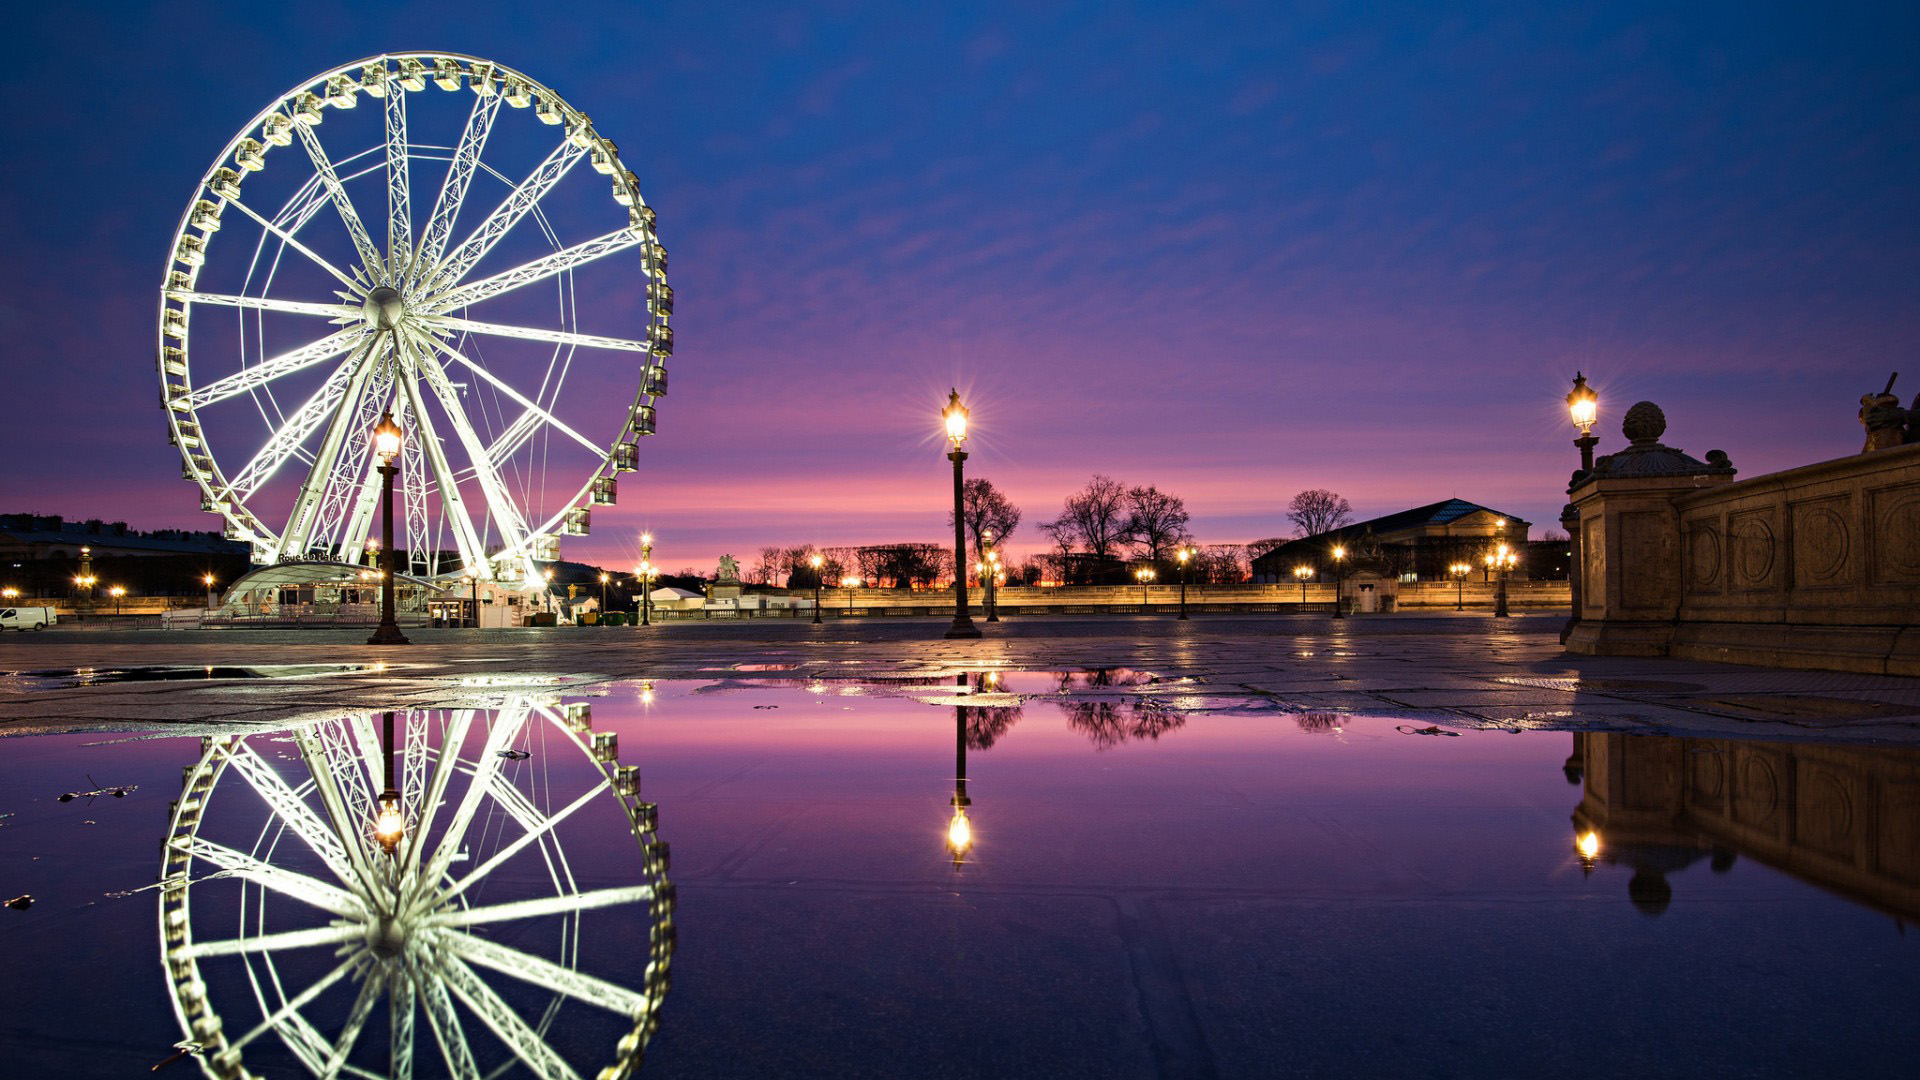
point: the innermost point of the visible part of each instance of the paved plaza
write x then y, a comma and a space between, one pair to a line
1457, 671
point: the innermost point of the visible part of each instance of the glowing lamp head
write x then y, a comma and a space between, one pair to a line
815, 561
955, 415
1583, 404
646, 539
1185, 554
1339, 552
604, 578
390, 825
386, 439
959, 834
117, 591
1588, 845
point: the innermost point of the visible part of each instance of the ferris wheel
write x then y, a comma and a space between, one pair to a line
463, 941
412, 234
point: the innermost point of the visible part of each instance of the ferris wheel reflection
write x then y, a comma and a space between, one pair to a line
329, 892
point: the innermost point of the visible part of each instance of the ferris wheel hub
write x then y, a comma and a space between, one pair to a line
387, 936
384, 308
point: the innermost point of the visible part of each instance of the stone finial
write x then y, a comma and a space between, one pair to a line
1644, 424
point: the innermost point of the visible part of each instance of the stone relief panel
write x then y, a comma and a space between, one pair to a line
1703, 556
1649, 561
1893, 518
1823, 817
1593, 569
1822, 543
1760, 786
1899, 831
1752, 550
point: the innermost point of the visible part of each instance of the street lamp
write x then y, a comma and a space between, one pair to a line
1339, 578
955, 417
1301, 573
117, 592
814, 560
1143, 575
1185, 555
604, 578
390, 824
850, 583
1460, 570
208, 579
386, 447
473, 593
9, 594
989, 571
1584, 406
646, 579
1502, 560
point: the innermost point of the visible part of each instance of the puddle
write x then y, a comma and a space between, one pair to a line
69, 678
1072, 861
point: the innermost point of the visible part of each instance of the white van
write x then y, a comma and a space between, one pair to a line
27, 618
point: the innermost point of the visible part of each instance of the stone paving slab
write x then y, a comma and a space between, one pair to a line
1463, 671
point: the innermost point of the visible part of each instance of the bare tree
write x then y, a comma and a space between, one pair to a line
1317, 510
1221, 564
769, 568
1261, 547
1098, 514
983, 507
1156, 521
1061, 532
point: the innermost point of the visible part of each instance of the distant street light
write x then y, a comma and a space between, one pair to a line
816, 562
989, 573
208, 579
646, 581
10, 594
473, 590
117, 592
1339, 578
1301, 573
604, 578
1143, 575
1185, 555
955, 417
851, 583
1502, 560
1460, 570
386, 447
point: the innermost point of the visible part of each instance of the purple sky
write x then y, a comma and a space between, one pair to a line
1234, 252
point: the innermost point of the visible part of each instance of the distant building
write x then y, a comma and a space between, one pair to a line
1412, 545
36, 536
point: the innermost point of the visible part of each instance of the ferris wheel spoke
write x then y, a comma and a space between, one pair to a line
351, 490
280, 942
526, 1043
444, 767
345, 825
531, 333
266, 371
399, 212
401, 1007
448, 1032
290, 809
506, 729
500, 506
508, 214
305, 516
370, 990
308, 890
357, 229
466, 156
287, 1019
263, 303
518, 398
452, 503
563, 904
546, 974
293, 242
539, 269
516, 435
537, 827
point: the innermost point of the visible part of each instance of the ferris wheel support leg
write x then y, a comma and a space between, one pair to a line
293, 539
505, 515
472, 551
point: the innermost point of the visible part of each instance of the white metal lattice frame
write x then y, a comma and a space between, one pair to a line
378, 355
400, 928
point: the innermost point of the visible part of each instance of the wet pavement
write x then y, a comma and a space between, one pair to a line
1454, 671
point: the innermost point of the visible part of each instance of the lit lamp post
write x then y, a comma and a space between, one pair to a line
1143, 575
1185, 555
390, 822
473, 593
117, 592
1584, 406
1502, 560
386, 446
208, 579
646, 580
816, 562
1301, 573
990, 570
850, 583
9, 594
955, 416
1339, 578
604, 578
1460, 571
959, 829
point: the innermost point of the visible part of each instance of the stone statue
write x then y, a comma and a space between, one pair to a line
729, 570
1886, 422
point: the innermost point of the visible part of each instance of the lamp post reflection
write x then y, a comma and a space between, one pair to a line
959, 828
391, 823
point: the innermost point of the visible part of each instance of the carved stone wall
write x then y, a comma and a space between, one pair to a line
1813, 567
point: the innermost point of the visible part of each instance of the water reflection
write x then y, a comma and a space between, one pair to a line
323, 903
1107, 724
1845, 818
